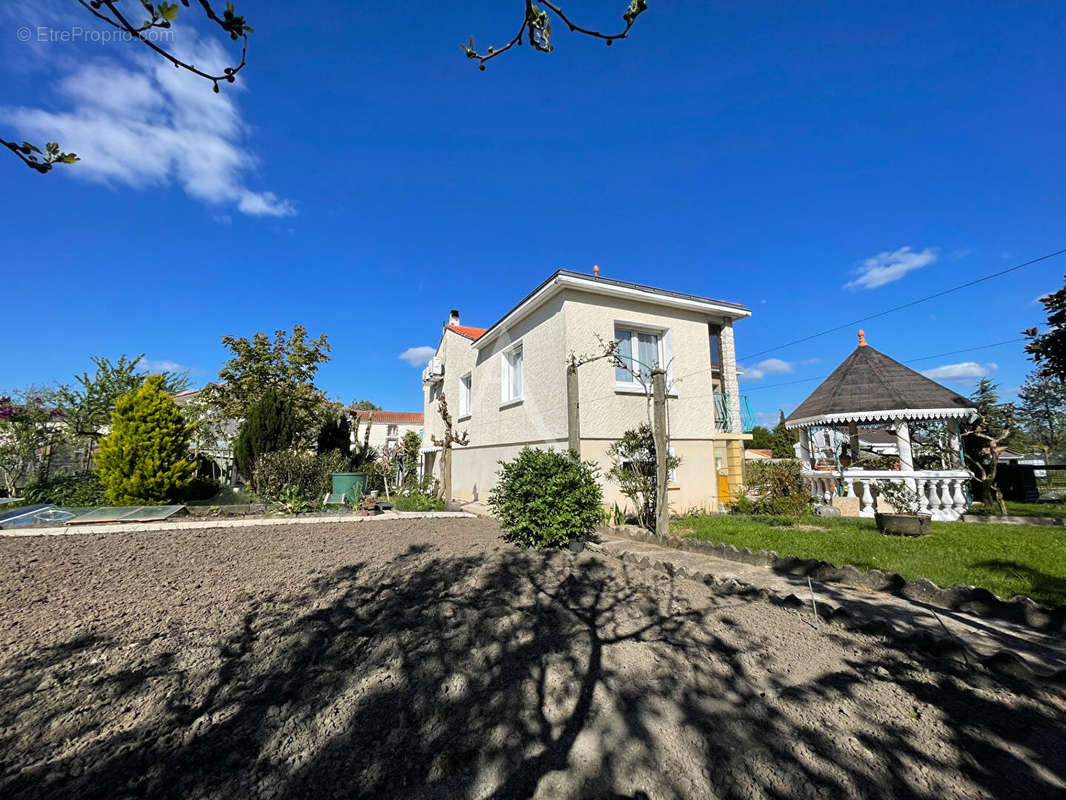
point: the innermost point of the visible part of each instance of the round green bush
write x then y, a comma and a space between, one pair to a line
545, 498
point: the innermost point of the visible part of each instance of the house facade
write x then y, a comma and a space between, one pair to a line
506, 385
387, 428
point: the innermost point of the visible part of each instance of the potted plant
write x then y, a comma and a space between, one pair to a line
906, 521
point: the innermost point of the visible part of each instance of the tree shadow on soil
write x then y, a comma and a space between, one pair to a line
523, 673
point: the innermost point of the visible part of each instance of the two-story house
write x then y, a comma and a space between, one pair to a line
506, 384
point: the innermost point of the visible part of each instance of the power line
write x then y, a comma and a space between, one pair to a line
905, 361
906, 305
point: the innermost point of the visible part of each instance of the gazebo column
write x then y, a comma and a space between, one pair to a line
956, 444
805, 447
853, 443
903, 441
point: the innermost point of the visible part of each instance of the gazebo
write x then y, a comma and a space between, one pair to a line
869, 391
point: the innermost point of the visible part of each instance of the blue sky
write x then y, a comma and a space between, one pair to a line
816, 163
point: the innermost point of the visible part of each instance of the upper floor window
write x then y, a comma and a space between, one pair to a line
715, 333
465, 394
641, 352
392, 431
511, 374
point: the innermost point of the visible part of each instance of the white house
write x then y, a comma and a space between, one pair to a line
506, 384
387, 428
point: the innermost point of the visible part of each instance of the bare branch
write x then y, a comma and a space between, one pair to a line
536, 29
162, 15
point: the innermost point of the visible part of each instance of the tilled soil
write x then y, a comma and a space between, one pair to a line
427, 658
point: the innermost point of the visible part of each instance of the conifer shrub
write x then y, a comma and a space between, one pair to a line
145, 458
545, 498
271, 426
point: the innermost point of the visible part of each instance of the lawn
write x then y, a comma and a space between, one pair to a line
1005, 559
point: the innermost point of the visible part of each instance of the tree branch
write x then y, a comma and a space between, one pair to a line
536, 28
33, 158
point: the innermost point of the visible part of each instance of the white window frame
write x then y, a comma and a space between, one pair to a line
466, 395
392, 430
506, 367
633, 386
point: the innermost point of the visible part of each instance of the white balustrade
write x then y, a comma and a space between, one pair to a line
941, 493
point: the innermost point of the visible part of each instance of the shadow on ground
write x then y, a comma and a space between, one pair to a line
514, 676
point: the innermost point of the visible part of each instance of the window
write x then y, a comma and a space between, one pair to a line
465, 385
392, 431
715, 335
640, 351
511, 374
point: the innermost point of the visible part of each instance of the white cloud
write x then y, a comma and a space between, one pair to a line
151, 365
888, 266
771, 366
964, 372
143, 123
418, 356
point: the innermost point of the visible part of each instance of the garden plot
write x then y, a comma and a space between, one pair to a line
425, 658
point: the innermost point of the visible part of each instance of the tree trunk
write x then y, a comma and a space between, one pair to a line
662, 447
573, 416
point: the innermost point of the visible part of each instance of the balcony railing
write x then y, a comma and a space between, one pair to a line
723, 413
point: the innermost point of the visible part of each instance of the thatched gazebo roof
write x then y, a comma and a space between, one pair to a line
871, 387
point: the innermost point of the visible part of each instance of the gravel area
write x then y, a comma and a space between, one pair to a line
427, 658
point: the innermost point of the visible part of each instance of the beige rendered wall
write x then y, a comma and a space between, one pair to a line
458, 357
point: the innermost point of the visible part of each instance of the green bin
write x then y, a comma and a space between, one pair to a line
351, 484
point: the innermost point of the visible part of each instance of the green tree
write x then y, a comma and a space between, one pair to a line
287, 365
87, 404
634, 466
1042, 410
1048, 349
30, 426
269, 427
411, 446
761, 439
365, 405
782, 439
335, 436
145, 458
982, 437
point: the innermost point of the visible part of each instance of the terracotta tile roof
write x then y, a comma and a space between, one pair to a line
409, 417
467, 331
759, 451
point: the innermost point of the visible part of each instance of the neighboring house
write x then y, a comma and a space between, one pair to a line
506, 385
387, 428
758, 454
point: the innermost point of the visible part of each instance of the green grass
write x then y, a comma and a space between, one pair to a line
1023, 510
1005, 559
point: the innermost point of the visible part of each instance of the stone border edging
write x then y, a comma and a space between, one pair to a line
1020, 609
1014, 520
939, 646
217, 522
